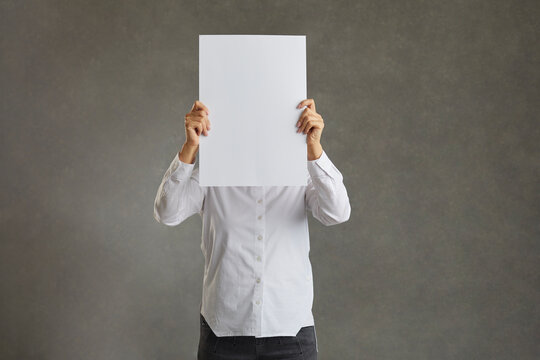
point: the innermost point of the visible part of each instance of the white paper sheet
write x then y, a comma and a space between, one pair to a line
251, 85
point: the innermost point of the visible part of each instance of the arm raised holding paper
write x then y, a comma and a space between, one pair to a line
179, 195
326, 195
196, 122
312, 124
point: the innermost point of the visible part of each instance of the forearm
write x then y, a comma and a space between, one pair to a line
314, 151
187, 153
179, 195
326, 194
331, 205
167, 205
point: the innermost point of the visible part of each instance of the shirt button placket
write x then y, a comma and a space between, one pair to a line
259, 275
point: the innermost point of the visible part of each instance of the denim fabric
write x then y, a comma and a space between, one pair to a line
303, 346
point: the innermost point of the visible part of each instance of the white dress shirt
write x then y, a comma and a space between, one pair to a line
258, 278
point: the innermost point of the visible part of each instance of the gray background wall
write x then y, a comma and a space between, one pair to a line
431, 112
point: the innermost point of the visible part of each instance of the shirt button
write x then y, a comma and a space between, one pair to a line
258, 258
258, 302
259, 201
259, 237
258, 280
259, 217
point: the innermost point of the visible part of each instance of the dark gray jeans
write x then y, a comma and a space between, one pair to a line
303, 346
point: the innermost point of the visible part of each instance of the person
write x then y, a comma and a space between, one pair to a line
258, 287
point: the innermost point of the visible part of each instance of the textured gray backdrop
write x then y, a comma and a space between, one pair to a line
432, 115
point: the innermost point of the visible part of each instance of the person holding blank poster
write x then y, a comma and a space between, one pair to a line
258, 284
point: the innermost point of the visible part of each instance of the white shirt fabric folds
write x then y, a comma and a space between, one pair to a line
255, 241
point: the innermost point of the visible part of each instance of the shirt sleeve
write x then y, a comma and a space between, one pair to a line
179, 195
326, 196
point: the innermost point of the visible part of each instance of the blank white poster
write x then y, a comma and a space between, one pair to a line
251, 85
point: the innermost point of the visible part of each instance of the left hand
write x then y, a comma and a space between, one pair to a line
310, 122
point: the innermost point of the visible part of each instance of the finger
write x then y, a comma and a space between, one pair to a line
300, 123
304, 124
205, 127
306, 130
310, 103
194, 125
311, 125
304, 114
204, 120
201, 118
196, 116
198, 129
200, 106
303, 120
306, 102
202, 123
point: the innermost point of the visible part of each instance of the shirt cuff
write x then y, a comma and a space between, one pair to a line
180, 170
320, 167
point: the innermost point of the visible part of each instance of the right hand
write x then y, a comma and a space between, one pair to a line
196, 122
